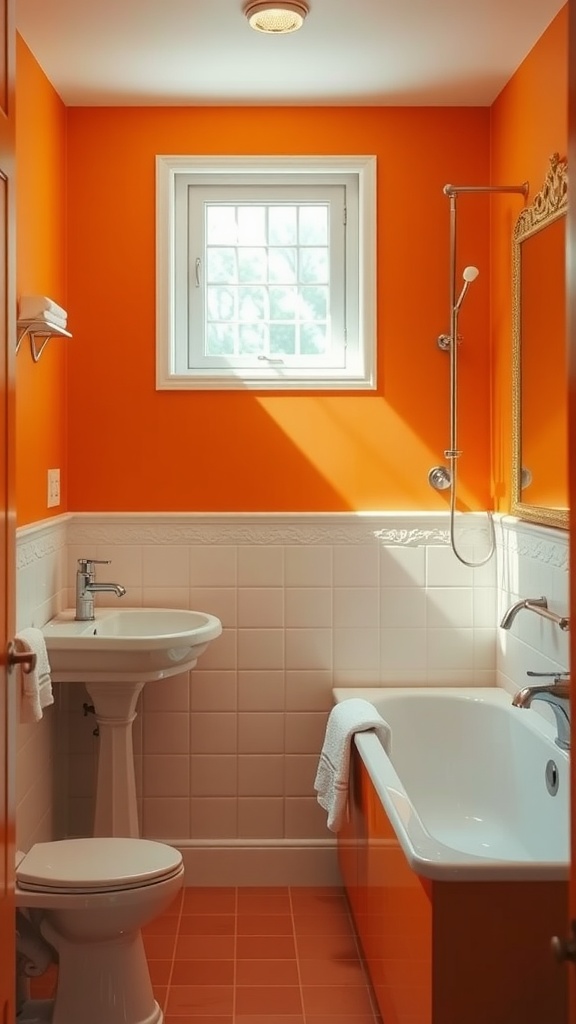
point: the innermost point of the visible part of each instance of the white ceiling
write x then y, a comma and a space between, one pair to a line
349, 52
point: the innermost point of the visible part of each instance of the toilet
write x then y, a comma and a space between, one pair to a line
87, 900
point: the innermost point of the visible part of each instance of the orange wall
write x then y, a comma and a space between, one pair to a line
529, 123
133, 448
41, 270
86, 192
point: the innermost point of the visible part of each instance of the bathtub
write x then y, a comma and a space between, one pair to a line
465, 783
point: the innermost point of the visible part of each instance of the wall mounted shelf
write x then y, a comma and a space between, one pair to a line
36, 329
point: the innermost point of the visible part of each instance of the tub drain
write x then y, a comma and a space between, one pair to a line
552, 778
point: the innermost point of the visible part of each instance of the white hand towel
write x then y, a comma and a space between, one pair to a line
51, 319
30, 306
345, 719
36, 692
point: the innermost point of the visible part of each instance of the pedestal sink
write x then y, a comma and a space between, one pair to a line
115, 655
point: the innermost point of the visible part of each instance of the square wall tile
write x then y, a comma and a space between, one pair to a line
305, 732
444, 570
261, 566
213, 818
261, 607
308, 566
356, 565
449, 606
308, 649
404, 649
218, 601
213, 690
402, 566
402, 606
213, 775
261, 775
309, 691
166, 775
166, 732
450, 648
167, 695
300, 773
212, 565
356, 606
308, 607
356, 649
261, 691
165, 566
165, 817
260, 817
261, 733
213, 732
260, 649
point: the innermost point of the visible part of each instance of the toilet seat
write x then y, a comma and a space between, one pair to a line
96, 865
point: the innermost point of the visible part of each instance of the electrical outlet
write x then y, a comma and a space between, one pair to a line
53, 487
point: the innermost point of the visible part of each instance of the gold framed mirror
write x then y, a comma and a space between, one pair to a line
539, 355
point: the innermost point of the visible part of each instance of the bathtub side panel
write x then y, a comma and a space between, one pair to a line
392, 909
493, 960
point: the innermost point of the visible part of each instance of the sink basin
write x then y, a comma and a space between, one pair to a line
131, 644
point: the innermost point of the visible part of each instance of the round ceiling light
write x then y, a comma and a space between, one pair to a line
276, 17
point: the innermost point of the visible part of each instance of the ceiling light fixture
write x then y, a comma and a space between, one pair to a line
276, 16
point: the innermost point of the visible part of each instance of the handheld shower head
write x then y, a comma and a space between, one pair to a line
470, 274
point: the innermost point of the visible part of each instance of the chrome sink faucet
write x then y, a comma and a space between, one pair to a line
86, 587
557, 695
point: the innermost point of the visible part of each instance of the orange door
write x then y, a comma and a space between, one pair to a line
7, 526
571, 292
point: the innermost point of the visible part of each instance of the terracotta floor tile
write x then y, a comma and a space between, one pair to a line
339, 1000
311, 947
209, 901
264, 924
165, 925
265, 903
160, 971
205, 947
203, 972
332, 972
210, 1000
159, 992
267, 972
159, 947
314, 900
207, 924
199, 1019
354, 1018
268, 999
256, 1018
333, 922
265, 947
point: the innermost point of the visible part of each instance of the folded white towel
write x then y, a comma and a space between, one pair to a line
331, 783
52, 319
30, 306
36, 685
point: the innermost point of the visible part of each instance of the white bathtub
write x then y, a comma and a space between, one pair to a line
464, 786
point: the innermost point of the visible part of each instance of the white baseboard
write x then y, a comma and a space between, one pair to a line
239, 862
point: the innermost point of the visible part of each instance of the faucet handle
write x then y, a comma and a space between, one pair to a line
549, 675
87, 564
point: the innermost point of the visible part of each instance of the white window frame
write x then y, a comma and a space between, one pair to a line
174, 275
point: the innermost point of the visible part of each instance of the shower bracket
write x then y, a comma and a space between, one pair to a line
444, 341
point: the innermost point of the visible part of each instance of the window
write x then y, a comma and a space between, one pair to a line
266, 272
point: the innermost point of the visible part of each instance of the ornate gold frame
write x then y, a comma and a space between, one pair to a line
548, 205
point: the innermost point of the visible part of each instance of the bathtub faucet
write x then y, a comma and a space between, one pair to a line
538, 605
86, 587
557, 695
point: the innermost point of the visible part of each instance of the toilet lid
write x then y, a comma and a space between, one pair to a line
97, 865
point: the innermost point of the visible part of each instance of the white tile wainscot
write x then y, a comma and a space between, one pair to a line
226, 755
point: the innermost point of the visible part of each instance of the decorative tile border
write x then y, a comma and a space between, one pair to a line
543, 544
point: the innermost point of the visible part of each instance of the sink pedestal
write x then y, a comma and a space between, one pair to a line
115, 811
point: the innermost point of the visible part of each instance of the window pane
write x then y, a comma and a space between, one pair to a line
313, 339
251, 225
282, 339
314, 303
253, 339
282, 265
221, 265
252, 264
282, 225
221, 225
313, 225
283, 303
253, 304
314, 265
220, 339
221, 303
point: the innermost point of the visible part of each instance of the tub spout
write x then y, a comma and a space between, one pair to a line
557, 695
538, 605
